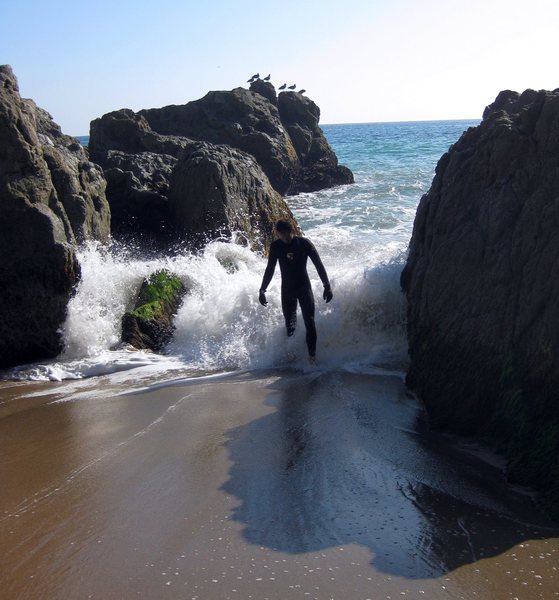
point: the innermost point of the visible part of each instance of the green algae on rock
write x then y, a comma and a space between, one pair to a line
149, 325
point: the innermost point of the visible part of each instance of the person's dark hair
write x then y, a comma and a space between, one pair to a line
286, 226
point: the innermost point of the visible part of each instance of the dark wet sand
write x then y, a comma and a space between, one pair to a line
273, 485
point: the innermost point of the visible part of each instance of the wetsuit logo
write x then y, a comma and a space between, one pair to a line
289, 255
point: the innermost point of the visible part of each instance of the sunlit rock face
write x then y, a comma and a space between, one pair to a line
282, 134
482, 285
51, 199
238, 118
219, 192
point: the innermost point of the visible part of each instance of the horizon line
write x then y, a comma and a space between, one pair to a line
402, 121
372, 123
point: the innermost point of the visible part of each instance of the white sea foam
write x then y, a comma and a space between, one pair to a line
220, 325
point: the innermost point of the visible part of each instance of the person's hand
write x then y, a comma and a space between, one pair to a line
262, 298
328, 295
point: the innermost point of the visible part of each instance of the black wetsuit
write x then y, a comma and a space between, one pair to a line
295, 283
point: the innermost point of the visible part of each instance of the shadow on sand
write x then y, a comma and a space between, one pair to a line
348, 459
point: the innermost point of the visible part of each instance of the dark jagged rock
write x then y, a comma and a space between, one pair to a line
217, 191
266, 89
138, 163
248, 121
482, 284
128, 132
150, 325
138, 186
239, 118
51, 198
319, 164
79, 183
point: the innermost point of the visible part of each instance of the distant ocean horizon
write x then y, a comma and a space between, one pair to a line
404, 121
84, 139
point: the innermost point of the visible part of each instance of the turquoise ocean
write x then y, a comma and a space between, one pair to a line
361, 231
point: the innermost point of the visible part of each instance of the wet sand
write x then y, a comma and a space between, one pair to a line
262, 485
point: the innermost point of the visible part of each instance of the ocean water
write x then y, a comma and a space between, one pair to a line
361, 231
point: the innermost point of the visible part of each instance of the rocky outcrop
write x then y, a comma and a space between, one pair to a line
125, 131
217, 191
79, 184
319, 164
149, 326
288, 144
266, 89
138, 187
239, 118
482, 284
137, 163
51, 198
212, 167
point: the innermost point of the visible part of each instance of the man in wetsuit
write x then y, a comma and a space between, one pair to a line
292, 252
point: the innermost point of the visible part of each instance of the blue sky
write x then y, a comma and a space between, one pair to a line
360, 61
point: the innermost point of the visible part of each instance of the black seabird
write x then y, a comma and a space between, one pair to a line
267, 78
292, 87
282, 87
302, 91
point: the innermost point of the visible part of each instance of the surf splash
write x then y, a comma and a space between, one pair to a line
221, 326
361, 232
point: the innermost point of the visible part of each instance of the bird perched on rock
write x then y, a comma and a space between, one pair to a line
302, 91
255, 76
267, 78
292, 87
282, 87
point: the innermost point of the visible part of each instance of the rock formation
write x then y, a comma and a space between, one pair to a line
216, 191
482, 284
126, 131
266, 89
239, 118
319, 164
292, 154
149, 326
137, 163
138, 188
51, 198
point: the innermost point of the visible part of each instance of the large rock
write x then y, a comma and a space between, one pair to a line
125, 144
125, 131
79, 184
137, 163
319, 164
482, 284
239, 118
51, 198
217, 191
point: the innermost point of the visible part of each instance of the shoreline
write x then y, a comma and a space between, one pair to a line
277, 484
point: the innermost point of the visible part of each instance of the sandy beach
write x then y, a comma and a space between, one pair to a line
273, 484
